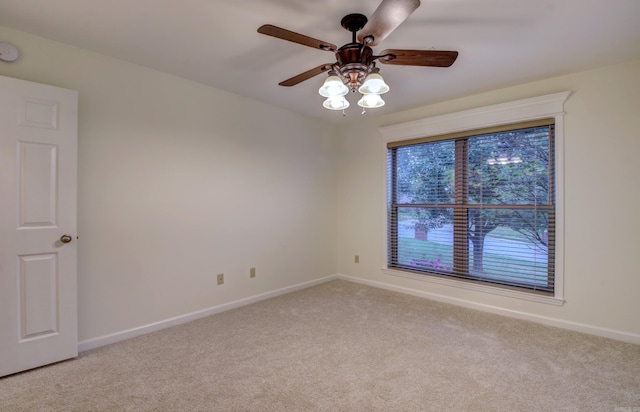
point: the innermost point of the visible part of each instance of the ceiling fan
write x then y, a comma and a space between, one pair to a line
355, 66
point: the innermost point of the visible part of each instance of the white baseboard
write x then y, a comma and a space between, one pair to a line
574, 326
167, 323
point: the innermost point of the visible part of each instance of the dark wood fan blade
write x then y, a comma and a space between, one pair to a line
306, 75
436, 58
294, 37
388, 16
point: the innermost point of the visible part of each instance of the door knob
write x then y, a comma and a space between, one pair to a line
65, 238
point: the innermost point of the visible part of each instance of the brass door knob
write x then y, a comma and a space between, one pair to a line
65, 238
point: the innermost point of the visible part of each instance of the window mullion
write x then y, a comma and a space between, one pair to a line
551, 231
460, 218
392, 218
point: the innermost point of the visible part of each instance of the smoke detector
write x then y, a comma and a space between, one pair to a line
8, 52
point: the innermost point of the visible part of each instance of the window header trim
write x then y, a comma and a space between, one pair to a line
535, 108
474, 132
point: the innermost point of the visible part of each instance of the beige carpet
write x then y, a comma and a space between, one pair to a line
341, 346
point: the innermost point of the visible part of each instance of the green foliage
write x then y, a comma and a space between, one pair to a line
526, 182
426, 176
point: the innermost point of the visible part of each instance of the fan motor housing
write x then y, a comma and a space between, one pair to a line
355, 61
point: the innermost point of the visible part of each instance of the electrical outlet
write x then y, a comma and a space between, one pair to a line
221, 279
356, 258
252, 272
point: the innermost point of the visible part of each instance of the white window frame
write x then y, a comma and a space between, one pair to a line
542, 107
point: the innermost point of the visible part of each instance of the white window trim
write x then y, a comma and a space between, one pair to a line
542, 107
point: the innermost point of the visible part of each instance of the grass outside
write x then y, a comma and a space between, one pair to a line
501, 232
413, 252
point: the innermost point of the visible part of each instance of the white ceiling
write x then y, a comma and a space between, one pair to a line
501, 42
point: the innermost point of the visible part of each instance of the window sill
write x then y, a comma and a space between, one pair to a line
549, 300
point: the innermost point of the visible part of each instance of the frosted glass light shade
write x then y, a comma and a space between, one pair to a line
371, 101
332, 87
374, 84
336, 103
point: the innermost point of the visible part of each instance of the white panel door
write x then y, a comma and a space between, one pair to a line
38, 167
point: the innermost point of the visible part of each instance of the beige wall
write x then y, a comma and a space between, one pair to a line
602, 223
179, 182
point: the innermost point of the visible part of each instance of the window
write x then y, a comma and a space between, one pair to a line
476, 205
453, 130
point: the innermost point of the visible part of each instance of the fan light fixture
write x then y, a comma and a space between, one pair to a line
371, 101
334, 89
336, 103
374, 84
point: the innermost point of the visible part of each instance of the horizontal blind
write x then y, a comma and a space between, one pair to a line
479, 207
